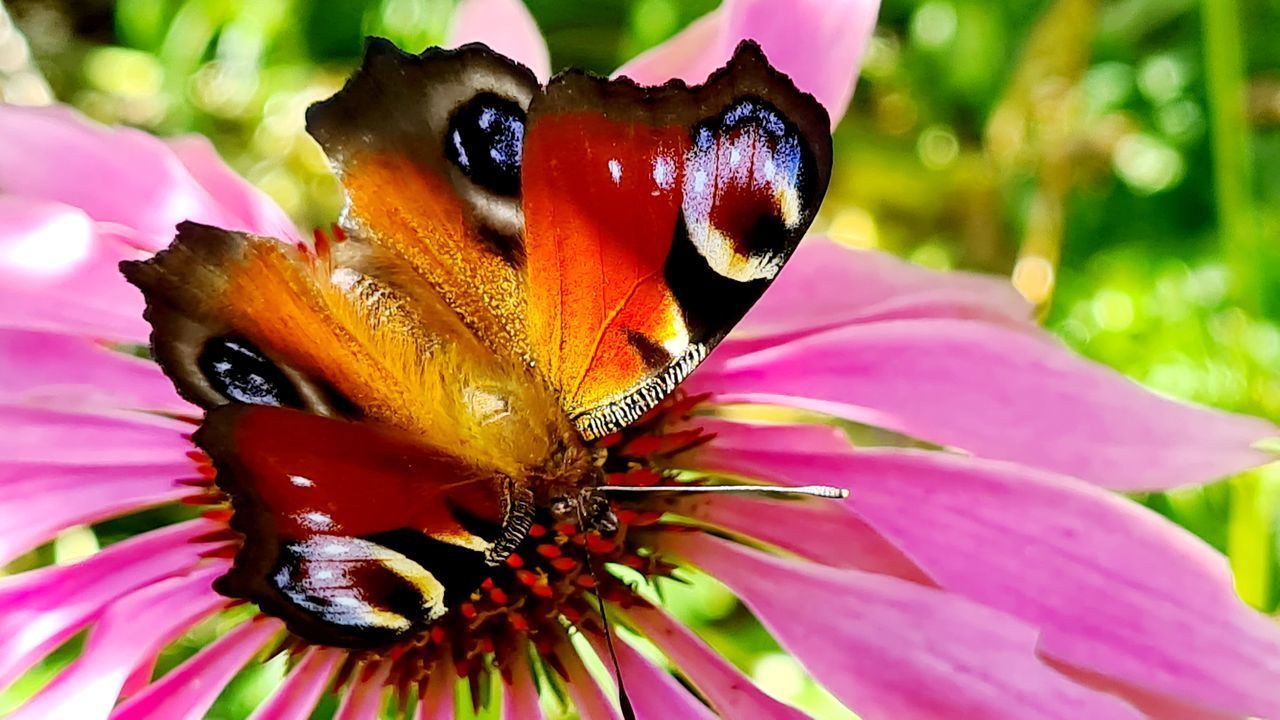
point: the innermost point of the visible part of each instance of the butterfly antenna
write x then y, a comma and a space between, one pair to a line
822, 491
624, 701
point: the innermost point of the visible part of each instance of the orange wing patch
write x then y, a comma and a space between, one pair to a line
428, 151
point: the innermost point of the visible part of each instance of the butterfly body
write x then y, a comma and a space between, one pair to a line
521, 272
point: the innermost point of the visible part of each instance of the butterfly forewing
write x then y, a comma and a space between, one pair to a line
428, 149
654, 219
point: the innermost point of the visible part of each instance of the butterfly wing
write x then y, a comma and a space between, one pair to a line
609, 234
428, 149
369, 443
355, 534
654, 219
242, 318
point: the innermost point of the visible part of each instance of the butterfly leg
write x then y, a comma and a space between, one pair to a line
517, 517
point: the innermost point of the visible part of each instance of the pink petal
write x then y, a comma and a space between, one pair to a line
826, 284
43, 608
997, 393
589, 699
892, 649
37, 501
188, 691
819, 43
730, 692
1114, 588
88, 688
655, 694
252, 209
437, 703
731, 434
40, 435
821, 531
505, 26
520, 696
55, 370
297, 696
116, 175
363, 700
58, 272
818, 530
1153, 705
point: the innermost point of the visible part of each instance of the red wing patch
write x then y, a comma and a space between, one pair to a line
355, 534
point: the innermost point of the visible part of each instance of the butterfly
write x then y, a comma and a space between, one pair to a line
521, 271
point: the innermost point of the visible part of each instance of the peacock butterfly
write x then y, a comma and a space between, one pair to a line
523, 270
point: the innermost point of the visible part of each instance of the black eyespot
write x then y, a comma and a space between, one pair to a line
241, 373
486, 140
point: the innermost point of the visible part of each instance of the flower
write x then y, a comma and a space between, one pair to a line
990, 573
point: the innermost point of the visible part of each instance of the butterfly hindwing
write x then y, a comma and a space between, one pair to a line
654, 219
354, 533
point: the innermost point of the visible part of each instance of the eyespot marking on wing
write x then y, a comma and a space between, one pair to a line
239, 371
485, 141
749, 180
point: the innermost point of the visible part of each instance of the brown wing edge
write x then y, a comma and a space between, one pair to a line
183, 286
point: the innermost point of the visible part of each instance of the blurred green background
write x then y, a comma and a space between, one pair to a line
1118, 159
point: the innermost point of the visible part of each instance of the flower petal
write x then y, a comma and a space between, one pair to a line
1154, 705
188, 691
297, 696
731, 434
58, 271
730, 692
88, 688
39, 501
41, 435
655, 694
117, 175
589, 699
997, 393
43, 608
55, 370
821, 531
818, 530
505, 26
1114, 588
252, 209
892, 649
826, 284
437, 703
819, 43
363, 699
520, 696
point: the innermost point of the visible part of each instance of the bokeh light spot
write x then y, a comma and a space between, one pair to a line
934, 24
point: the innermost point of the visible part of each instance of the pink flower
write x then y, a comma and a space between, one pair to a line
994, 577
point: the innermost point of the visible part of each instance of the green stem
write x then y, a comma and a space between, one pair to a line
1249, 543
1232, 160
